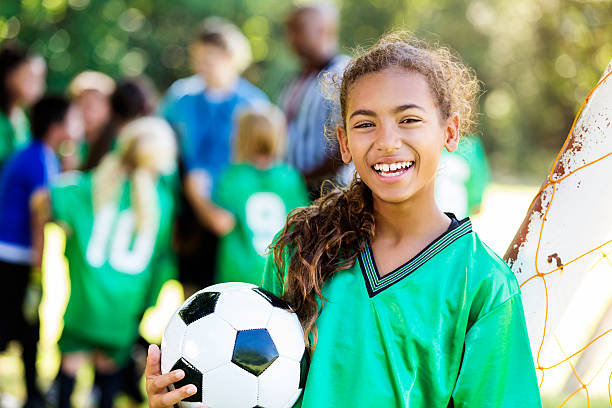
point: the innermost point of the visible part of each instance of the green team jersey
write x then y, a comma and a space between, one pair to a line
446, 329
115, 272
462, 177
13, 134
260, 201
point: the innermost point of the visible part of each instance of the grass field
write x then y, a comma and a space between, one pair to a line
502, 212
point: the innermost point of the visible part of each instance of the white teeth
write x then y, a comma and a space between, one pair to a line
391, 169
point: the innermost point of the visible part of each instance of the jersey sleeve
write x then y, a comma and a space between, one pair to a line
224, 189
64, 197
270, 277
497, 367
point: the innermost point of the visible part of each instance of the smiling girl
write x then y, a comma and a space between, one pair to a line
402, 304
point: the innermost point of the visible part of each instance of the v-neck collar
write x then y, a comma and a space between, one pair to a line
376, 284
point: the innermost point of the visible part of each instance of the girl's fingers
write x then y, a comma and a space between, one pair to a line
170, 398
153, 366
160, 382
157, 383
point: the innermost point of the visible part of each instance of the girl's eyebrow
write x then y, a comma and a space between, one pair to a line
398, 109
406, 107
363, 112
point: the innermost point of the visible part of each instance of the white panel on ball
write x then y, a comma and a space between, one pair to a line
209, 343
278, 383
293, 399
286, 331
172, 341
229, 387
228, 287
244, 311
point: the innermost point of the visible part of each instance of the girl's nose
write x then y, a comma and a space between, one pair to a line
388, 139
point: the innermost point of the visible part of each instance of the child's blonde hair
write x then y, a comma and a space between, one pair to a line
91, 81
146, 149
261, 133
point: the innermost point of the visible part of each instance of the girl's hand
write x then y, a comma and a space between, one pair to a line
157, 383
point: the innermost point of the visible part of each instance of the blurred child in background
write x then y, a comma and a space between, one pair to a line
205, 124
196, 83
22, 83
91, 90
118, 221
131, 99
34, 167
259, 190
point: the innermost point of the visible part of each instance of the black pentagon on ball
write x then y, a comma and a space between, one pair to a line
274, 300
192, 376
202, 304
254, 351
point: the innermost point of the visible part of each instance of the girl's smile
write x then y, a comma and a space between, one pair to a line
391, 170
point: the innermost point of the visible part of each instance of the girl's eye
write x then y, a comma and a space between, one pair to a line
363, 125
410, 120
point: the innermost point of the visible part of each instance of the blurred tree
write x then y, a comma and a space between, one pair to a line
537, 58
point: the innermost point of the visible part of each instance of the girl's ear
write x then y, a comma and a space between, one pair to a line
451, 132
343, 142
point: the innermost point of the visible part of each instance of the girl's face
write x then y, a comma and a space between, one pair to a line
394, 134
96, 111
213, 63
27, 81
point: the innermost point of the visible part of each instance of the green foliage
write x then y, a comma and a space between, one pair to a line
537, 58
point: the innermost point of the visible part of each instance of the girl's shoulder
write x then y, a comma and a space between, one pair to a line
489, 280
481, 263
74, 180
285, 170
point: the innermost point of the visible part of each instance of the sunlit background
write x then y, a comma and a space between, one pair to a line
537, 60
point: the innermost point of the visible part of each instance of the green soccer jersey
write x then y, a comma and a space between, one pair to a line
259, 200
14, 134
116, 272
446, 329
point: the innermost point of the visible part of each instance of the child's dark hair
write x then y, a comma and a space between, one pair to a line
11, 58
131, 99
47, 112
327, 237
222, 33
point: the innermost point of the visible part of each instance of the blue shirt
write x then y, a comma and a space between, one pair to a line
205, 123
25, 172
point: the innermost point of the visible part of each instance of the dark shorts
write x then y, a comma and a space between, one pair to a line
196, 248
13, 325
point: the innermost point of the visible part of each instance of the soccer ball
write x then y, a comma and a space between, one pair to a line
240, 345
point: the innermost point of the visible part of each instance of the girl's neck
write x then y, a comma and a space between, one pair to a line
261, 162
411, 220
222, 86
